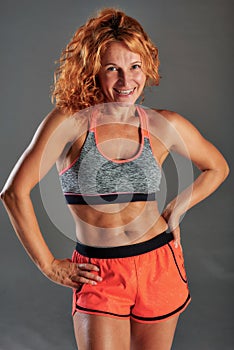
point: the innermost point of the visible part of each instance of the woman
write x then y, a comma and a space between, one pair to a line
129, 283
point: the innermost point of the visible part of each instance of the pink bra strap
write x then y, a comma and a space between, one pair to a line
92, 119
142, 114
144, 121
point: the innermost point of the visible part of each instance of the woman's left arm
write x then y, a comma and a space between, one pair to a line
214, 169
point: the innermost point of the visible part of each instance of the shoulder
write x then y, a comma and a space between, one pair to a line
177, 130
170, 116
168, 125
53, 119
56, 117
177, 122
173, 117
59, 122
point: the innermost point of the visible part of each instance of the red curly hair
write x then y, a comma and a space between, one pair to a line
76, 84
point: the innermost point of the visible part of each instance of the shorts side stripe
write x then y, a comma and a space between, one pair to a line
185, 281
164, 316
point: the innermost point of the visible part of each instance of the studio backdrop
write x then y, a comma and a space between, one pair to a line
195, 41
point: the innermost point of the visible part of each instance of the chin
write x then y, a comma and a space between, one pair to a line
126, 99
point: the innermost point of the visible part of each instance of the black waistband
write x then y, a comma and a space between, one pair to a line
109, 198
125, 250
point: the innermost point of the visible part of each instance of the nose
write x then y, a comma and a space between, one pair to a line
124, 77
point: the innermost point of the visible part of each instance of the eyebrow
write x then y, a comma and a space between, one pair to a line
114, 64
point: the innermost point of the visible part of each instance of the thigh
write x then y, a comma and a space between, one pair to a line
156, 336
101, 332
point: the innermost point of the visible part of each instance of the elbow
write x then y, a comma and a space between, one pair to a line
9, 195
222, 172
225, 170
4, 193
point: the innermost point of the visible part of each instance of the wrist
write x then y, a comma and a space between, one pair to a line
172, 210
46, 265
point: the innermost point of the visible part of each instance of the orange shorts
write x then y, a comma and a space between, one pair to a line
144, 281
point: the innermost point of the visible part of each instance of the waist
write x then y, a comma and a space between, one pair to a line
125, 250
117, 224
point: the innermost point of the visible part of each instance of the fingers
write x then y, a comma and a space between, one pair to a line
176, 234
87, 266
72, 275
173, 220
84, 275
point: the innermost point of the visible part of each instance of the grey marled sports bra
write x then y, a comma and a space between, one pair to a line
92, 178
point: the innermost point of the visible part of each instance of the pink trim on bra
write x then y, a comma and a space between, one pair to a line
137, 155
144, 133
97, 194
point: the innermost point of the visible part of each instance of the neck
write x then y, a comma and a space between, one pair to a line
117, 111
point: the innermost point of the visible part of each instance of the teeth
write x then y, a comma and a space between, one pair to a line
124, 92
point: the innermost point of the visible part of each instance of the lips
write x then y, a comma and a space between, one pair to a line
124, 92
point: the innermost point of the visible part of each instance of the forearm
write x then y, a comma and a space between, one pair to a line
24, 221
63, 272
205, 184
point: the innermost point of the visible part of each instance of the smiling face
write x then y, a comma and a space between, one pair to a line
121, 76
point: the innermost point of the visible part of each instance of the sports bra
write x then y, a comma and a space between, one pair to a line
93, 178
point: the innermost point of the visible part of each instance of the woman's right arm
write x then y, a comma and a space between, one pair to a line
54, 133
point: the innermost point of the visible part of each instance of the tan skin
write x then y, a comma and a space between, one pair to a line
47, 147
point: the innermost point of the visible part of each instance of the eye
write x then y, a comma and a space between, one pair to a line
112, 69
136, 66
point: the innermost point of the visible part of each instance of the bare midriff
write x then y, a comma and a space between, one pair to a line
117, 224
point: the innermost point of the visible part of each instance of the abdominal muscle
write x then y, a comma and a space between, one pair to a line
117, 224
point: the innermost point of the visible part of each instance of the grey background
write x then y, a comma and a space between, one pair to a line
195, 40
